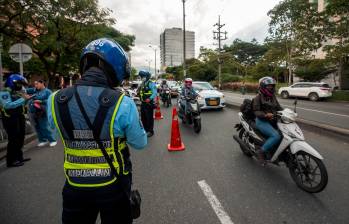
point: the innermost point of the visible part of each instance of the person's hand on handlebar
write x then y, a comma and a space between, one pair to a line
269, 116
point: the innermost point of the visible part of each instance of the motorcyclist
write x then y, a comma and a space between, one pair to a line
187, 92
265, 106
163, 87
12, 101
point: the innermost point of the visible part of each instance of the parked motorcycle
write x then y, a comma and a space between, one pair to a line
303, 161
166, 97
192, 115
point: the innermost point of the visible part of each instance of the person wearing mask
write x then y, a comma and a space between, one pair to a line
12, 102
89, 111
37, 110
187, 92
148, 92
265, 106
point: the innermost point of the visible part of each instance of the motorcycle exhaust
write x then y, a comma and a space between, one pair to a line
241, 143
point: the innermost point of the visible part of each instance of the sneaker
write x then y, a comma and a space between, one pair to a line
42, 144
260, 156
53, 144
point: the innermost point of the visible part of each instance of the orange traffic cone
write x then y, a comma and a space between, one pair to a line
176, 142
158, 115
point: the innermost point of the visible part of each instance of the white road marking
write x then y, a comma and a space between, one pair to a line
302, 108
216, 205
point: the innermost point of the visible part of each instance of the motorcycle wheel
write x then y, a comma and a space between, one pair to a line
197, 126
305, 169
241, 135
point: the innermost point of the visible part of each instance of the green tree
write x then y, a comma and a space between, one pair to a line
334, 25
293, 23
57, 30
246, 53
312, 70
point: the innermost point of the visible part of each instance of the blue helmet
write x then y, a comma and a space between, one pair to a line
144, 74
108, 56
15, 82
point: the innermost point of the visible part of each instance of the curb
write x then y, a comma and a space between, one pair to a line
28, 138
329, 128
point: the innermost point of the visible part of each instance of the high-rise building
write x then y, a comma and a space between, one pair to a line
171, 47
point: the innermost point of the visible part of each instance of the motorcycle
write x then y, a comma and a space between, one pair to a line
303, 161
166, 97
192, 115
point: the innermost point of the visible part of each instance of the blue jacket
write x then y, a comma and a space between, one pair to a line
127, 123
41, 95
7, 102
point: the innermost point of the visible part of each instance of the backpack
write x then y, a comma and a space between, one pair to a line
247, 110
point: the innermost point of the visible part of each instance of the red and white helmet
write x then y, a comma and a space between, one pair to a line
188, 82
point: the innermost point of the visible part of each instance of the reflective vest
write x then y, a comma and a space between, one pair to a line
84, 163
146, 91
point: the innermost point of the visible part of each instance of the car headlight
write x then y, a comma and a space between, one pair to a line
200, 98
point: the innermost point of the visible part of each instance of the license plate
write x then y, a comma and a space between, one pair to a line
212, 102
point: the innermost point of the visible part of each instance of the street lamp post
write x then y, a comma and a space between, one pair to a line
184, 47
155, 71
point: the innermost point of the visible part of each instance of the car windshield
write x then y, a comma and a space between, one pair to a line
202, 86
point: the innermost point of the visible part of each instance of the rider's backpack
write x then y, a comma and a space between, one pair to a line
247, 110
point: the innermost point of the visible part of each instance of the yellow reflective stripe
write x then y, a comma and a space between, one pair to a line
53, 111
122, 146
86, 152
83, 166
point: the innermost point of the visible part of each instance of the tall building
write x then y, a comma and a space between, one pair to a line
171, 47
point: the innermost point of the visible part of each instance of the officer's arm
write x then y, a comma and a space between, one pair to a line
154, 91
49, 112
127, 124
7, 103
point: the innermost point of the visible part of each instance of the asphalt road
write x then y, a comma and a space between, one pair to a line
168, 181
330, 113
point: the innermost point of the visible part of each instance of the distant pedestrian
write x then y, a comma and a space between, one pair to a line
12, 102
38, 114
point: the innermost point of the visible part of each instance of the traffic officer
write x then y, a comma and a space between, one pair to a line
148, 93
12, 102
79, 112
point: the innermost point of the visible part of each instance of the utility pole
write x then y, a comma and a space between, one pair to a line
217, 35
184, 48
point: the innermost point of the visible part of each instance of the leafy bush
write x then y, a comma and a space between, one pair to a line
226, 77
236, 86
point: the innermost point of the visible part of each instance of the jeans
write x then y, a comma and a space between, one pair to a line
43, 131
268, 130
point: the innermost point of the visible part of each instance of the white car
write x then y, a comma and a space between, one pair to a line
312, 90
209, 97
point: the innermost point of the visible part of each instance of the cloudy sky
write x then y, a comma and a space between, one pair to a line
146, 19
